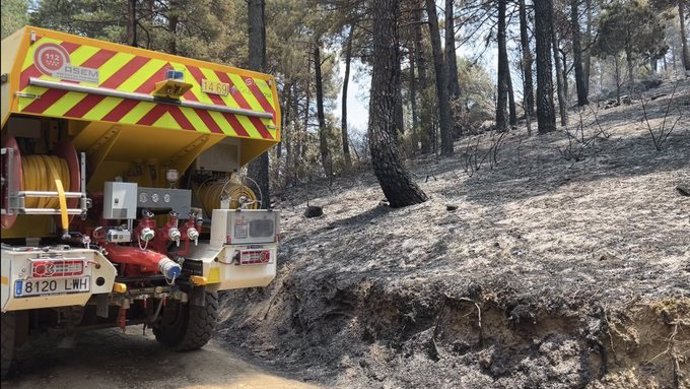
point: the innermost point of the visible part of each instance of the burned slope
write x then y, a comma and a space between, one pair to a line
551, 272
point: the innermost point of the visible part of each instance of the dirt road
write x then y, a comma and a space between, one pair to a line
111, 359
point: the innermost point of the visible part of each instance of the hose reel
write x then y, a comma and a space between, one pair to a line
41, 184
228, 193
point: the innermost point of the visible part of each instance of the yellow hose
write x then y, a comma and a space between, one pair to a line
47, 173
211, 193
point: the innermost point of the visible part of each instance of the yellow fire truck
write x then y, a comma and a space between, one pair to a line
122, 199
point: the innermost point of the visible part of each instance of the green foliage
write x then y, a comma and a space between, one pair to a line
14, 15
631, 28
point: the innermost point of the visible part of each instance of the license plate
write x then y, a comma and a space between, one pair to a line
215, 87
34, 287
254, 257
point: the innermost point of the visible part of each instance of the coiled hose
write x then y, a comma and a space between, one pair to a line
47, 173
211, 193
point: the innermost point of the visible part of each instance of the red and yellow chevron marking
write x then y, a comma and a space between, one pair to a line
133, 72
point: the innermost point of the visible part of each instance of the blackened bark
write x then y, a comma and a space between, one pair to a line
426, 130
258, 169
399, 116
588, 52
560, 79
502, 93
346, 81
527, 61
326, 160
546, 115
577, 54
413, 92
683, 35
392, 175
441, 80
512, 112
451, 56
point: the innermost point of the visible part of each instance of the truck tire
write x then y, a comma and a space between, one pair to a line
186, 327
8, 332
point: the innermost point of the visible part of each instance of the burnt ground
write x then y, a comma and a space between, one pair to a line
551, 272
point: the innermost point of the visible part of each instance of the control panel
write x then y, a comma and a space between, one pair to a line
178, 200
120, 200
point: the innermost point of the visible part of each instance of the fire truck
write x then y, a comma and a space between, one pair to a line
123, 201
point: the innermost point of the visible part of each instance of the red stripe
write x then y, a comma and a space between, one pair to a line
260, 127
261, 98
233, 90
125, 72
31, 71
84, 106
235, 124
182, 120
98, 59
120, 110
46, 100
153, 115
149, 85
198, 76
208, 121
69, 46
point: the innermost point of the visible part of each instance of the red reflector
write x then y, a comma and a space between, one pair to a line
254, 257
56, 268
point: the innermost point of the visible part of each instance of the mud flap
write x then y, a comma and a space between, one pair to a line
197, 297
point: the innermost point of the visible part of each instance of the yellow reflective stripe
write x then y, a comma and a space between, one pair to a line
196, 121
246, 93
266, 91
114, 64
196, 88
80, 55
138, 112
101, 109
139, 77
166, 121
64, 104
222, 123
248, 126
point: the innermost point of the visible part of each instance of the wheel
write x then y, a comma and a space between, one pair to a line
186, 327
8, 335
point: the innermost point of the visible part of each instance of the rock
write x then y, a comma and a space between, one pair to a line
684, 190
451, 207
313, 211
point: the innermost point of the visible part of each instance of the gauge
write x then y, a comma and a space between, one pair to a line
155, 197
143, 197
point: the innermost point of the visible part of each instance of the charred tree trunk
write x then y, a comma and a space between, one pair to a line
399, 115
285, 118
258, 169
441, 80
588, 52
426, 129
132, 23
346, 81
502, 93
546, 115
451, 56
392, 175
577, 54
527, 60
560, 79
512, 112
326, 160
683, 36
413, 91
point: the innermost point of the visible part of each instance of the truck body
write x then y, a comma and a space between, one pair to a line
122, 199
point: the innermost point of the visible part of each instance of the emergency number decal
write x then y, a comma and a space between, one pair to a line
53, 60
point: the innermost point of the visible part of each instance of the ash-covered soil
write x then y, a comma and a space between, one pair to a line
551, 273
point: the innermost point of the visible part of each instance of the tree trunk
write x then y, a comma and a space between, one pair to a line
451, 56
441, 80
560, 79
426, 129
413, 92
399, 115
132, 23
512, 112
527, 86
617, 74
577, 54
285, 110
326, 160
588, 52
346, 81
502, 88
631, 72
546, 115
395, 181
172, 27
683, 36
258, 169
